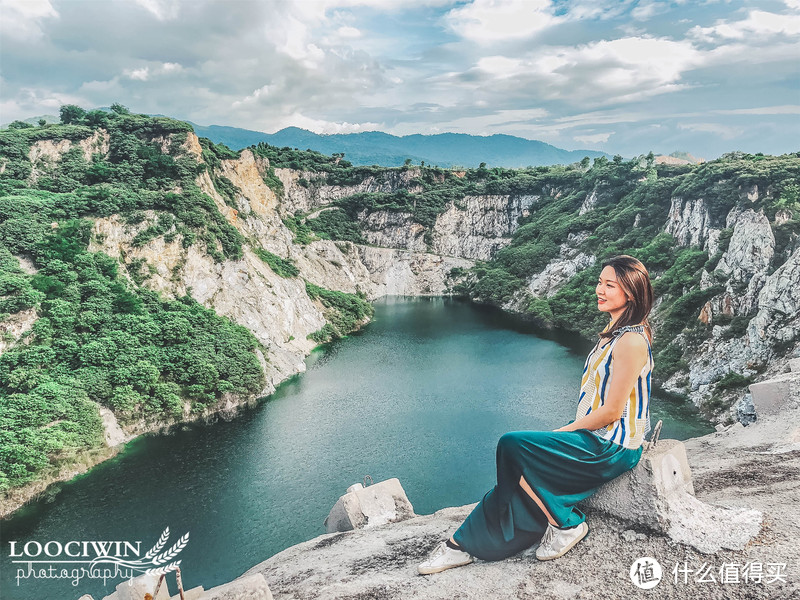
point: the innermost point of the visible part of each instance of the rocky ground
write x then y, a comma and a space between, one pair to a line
752, 467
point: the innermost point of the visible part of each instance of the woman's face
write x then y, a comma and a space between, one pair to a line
611, 298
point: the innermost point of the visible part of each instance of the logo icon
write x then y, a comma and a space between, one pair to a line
155, 562
645, 573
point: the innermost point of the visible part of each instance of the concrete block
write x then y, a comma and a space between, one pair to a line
252, 587
770, 396
383, 502
658, 494
136, 589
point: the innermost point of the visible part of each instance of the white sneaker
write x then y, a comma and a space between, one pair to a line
442, 558
556, 542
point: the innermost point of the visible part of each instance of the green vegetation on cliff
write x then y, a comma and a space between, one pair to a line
344, 312
100, 338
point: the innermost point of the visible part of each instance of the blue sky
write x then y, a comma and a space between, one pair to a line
620, 76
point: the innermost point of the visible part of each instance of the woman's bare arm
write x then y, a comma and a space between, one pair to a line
630, 357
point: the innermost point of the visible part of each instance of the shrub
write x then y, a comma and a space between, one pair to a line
281, 266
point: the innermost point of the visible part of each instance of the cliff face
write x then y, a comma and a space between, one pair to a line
768, 299
752, 290
276, 309
317, 193
474, 227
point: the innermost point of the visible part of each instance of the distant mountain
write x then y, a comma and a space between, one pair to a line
35, 120
378, 148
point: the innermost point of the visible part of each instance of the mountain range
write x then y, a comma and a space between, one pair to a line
378, 148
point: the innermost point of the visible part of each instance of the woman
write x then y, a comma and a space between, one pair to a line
541, 475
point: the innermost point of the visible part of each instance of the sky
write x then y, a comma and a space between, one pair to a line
627, 76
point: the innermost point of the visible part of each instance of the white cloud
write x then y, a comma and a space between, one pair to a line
597, 9
647, 9
724, 131
757, 23
624, 69
260, 93
594, 138
487, 21
348, 32
786, 109
140, 74
162, 10
322, 126
155, 70
22, 18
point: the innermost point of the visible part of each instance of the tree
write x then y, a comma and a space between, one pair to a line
71, 114
120, 109
19, 125
42, 122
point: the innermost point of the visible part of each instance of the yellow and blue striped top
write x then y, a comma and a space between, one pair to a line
629, 430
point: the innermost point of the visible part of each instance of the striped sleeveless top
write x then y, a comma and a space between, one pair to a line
629, 430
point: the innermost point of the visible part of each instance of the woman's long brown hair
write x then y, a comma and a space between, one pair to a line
634, 279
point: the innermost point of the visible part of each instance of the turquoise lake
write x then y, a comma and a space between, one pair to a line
422, 393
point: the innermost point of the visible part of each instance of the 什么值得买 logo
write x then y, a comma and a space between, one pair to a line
75, 560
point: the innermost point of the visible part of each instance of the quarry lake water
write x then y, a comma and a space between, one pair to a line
422, 393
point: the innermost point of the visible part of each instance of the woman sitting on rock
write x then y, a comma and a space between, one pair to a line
542, 475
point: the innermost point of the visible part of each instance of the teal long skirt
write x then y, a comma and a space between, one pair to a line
562, 468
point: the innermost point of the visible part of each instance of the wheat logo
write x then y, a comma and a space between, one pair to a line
155, 562
94, 559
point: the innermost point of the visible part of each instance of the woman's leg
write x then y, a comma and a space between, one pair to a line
509, 467
529, 491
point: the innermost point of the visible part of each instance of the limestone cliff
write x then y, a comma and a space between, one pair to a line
276, 309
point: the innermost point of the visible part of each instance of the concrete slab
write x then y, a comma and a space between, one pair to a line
378, 504
773, 395
658, 494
